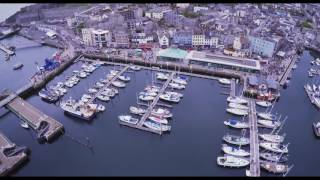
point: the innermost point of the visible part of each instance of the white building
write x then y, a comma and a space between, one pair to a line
96, 37
182, 5
198, 40
211, 41
163, 40
156, 14
199, 8
86, 36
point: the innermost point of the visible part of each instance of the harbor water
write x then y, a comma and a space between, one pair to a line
190, 149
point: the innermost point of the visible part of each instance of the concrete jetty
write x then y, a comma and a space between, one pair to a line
139, 125
254, 141
285, 75
6, 50
9, 163
233, 88
35, 118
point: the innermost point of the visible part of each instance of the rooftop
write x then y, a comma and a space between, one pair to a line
173, 53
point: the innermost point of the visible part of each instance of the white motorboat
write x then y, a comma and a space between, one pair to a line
264, 103
236, 124
138, 111
272, 138
152, 88
101, 107
160, 112
170, 98
82, 75
179, 81
239, 106
128, 119
146, 98
174, 93
236, 140
99, 84
92, 90
108, 92
114, 72
275, 147
150, 93
308, 87
118, 84
124, 78
237, 99
156, 126
267, 116
103, 98
224, 81
235, 151
24, 124
157, 119
135, 68
238, 112
162, 76
232, 161
268, 123
177, 86
75, 72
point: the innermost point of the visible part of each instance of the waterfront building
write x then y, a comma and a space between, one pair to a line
221, 61
264, 46
182, 38
86, 36
121, 39
163, 39
172, 55
240, 43
198, 40
96, 37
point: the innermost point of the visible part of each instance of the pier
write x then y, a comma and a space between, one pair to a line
254, 141
284, 77
6, 50
233, 88
139, 125
35, 118
108, 83
9, 163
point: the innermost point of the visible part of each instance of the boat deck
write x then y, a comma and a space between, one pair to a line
8, 164
139, 125
35, 117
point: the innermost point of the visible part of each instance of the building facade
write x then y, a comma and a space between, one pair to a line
182, 38
262, 46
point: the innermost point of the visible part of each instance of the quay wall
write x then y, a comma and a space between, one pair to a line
170, 66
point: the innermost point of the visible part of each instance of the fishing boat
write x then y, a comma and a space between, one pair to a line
83, 111
272, 138
24, 124
232, 161
118, 84
103, 98
268, 124
236, 124
160, 112
135, 68
177, 86
128, 119
316, 129
17, 66
264, 103
179, 81
235, 151
267, 116
236, 140
274, 167
157, 119
162, 76
138, 111
92, 90
238, 106
238, 112
236, 99
146, 98
224, 81
274, 147
170, 98
124, 78
156, 126
273, 157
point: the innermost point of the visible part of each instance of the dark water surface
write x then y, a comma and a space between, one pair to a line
190, 149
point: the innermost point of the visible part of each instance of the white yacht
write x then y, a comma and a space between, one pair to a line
146, 98
235, 151
224, 81
162, 76
103, 98
156, 126
124, 78
138, 111
236, 140
92, 90
160, 112
135, 68
264, 103
170, 98
267, 116
179, 81
272, 138
148, 93
275, 147
84, 111
24, 124
238, 106
174, 93
232, 161
177, 86
114, 72
159, 120
238, 112
236, 123
118, 84
237, 99
128, 119
269, 124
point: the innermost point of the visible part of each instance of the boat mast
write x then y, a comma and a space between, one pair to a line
282, 124
285, 174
